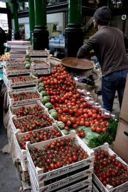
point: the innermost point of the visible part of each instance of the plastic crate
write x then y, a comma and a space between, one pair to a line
1, 74
120, 188
41, 176
24, 101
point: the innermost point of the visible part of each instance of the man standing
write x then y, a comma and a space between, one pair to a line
109, 47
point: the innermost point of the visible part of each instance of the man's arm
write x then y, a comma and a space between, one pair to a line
85, 49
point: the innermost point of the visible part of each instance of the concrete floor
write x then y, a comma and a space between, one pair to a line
9, 179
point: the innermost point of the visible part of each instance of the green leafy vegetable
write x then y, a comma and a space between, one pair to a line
108, 137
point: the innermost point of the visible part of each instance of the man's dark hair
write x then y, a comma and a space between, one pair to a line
102, 15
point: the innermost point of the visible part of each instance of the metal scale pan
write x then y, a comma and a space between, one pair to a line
77, 64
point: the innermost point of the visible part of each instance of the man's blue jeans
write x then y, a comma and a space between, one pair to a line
110, 84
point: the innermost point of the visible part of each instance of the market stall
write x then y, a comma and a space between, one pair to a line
54, 127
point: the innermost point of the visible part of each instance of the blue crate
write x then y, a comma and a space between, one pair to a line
1, 74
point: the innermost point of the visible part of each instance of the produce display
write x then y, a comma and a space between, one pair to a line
58, 109
57, 154
27, 110
24, 95
30, 122
38, 135
109, 169
72, 108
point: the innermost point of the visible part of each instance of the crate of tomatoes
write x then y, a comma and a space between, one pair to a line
17, 98
15, 62
30, 109
110, 171
34, 136
22, 81
31, 122
16, 70
58, 157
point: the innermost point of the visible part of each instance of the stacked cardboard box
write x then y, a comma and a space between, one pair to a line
121, 141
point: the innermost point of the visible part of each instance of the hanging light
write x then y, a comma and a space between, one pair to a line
117, 3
